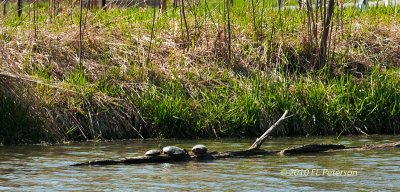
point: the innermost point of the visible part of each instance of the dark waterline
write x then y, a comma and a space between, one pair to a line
46, 168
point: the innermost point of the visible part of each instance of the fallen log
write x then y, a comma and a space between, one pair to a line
254, 150
304, 149
131, 160
385, 146
311, 148
316, 148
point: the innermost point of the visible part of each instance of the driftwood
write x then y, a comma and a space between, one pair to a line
131, 160
311, 148
254, 150
305, 149
259, 141
374, 147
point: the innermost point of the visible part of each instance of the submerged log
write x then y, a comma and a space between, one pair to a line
168, 159
304, 149
244, 153
254, 150
131, 160
311, 148
395, 145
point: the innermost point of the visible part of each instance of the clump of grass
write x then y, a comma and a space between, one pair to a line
16, 124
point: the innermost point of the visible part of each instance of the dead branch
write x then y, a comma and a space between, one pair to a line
311, 148
304, 149
252, 151
259, 141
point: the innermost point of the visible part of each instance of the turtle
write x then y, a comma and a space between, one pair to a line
174, 151
199, 149
153, 153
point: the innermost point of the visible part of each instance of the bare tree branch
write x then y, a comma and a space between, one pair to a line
259, 141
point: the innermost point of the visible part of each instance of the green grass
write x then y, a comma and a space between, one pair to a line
322, 106
190, 89
16, 124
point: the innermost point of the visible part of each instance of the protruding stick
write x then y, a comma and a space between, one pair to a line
259, 141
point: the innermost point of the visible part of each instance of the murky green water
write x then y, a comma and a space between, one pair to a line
45, 168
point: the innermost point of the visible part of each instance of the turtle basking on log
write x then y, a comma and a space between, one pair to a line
200, 152
305, 149
175, 152
153, 153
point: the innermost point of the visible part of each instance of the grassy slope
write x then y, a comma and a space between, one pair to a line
190, 89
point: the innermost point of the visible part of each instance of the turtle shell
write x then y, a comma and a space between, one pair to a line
173, 150
199, 149
153, 152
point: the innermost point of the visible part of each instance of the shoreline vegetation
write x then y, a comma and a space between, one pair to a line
212, 70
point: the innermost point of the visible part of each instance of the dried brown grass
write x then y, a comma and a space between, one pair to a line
72, 112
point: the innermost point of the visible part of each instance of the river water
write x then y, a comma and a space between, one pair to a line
46, 167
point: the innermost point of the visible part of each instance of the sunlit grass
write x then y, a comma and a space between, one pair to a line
189, 89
